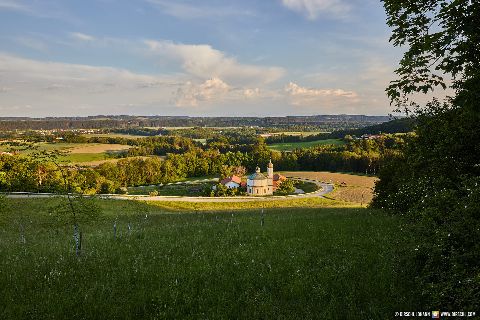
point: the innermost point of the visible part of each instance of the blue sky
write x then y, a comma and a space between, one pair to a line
185, 57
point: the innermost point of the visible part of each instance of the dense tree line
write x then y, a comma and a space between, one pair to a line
362, 156
21, 173
434, 183
403, 125
30, 173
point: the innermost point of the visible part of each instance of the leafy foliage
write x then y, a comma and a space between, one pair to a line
442, 38
435, 183
85, 208
286, 187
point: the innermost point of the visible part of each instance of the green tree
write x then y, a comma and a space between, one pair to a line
435, 181
286, 187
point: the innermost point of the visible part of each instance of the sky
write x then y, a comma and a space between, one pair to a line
194, 57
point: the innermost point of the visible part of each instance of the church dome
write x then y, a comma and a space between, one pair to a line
257, 175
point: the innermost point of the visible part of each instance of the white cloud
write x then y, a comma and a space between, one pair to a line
32, 43
190, 95
302, 96
5, 89
52, 88
81, 36
14, 5
185, 10
313, 8
38, 9
251, 93
203, 61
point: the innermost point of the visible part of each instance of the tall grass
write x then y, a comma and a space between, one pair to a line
330, 263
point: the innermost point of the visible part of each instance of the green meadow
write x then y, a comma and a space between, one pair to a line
290, 146
300, 263
75, 152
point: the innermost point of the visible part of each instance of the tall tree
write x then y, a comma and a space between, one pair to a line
435, 182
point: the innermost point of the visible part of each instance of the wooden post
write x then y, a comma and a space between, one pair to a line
80, 244
115, 230
262, 220
23, 240
77, 238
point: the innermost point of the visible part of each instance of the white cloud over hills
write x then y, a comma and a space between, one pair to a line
45, 88
191, 95
203, 61
300, 96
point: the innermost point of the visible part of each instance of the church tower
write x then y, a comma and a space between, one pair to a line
270, 170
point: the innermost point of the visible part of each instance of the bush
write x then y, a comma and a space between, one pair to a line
86, 209
107, 187
286, 187
446, 226
3, 203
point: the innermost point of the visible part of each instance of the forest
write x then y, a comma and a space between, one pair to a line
43, 172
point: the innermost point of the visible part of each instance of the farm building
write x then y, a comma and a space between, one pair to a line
232, 182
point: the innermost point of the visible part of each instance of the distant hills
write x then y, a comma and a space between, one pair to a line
402, 125
333, 122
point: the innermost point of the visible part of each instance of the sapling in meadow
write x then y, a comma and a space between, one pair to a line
76, 206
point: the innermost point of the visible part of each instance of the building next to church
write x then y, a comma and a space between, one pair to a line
232, 182
260, 185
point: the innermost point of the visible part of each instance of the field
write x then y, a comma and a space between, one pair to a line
348, 187
90, 153
193, 189
293, 133
96, 148
79, 147
302, 263
290, 146
115, 135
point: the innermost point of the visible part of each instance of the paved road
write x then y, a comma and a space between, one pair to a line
324, 189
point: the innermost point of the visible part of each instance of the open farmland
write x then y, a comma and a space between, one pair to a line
290, 146
348, 187
77, 147
97, 148
302, 263
79, 152
293, 133
115, 135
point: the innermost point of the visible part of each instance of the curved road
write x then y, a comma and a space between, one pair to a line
324, 189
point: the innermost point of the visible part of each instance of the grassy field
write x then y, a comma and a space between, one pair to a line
115, 135
194, 189
293, 133
351, 188
77, 147
86, 157
80, 152
290, 146
303, 263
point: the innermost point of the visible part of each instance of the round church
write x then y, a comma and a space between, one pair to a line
260, 185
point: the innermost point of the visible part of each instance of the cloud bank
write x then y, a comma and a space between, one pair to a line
203, 61
307, 96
